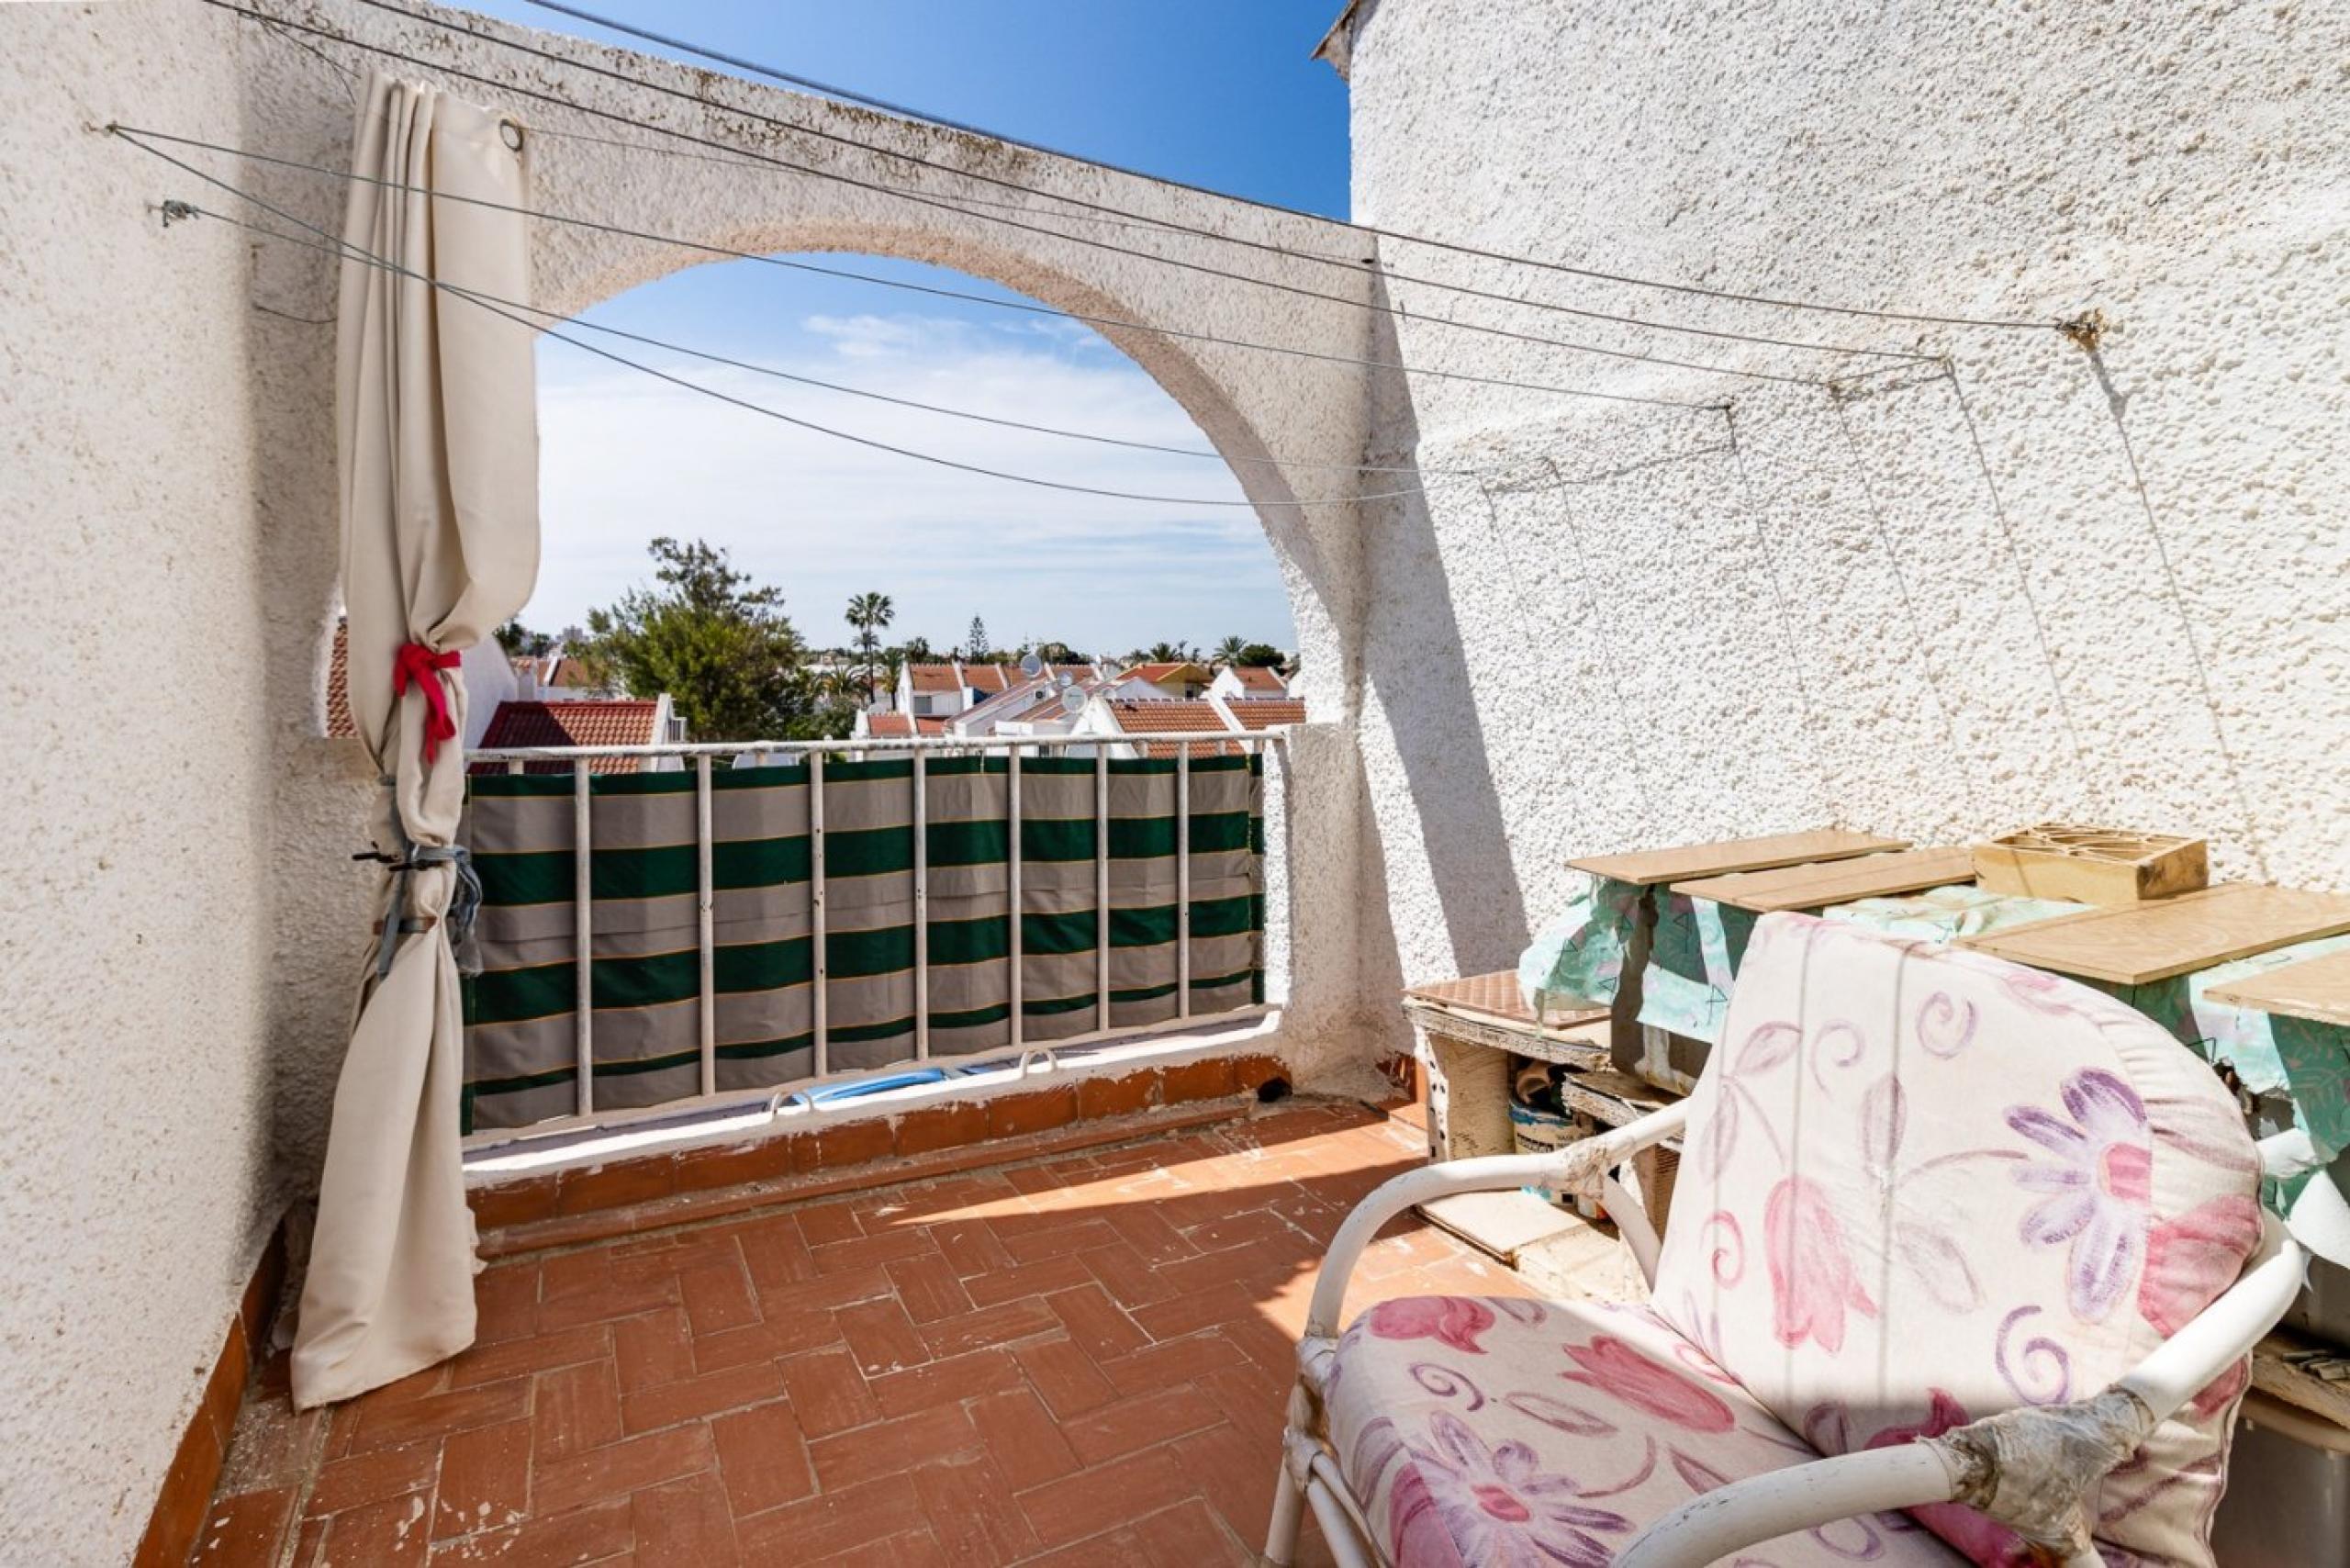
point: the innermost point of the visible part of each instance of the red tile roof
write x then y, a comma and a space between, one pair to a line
588, 721
1157, 673
570, 674
1264, 712
989, 678
1257, 681
340, 726
888, 724
934, 677
1170, 716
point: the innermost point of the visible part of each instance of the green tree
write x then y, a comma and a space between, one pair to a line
1228, 651
521, 641
868, 614
721, 647
975, 643
1254, 654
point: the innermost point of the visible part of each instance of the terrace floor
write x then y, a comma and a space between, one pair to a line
1079, 1361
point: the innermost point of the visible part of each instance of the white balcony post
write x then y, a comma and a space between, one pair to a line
583, 901
705, 912
1183, 882
922, 906
1102, 888
816, 907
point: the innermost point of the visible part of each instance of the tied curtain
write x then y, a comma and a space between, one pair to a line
438, 454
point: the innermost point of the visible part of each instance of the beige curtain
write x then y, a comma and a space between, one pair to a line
437, 420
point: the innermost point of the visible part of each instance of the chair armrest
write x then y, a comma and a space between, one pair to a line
1563, 1167
2185, 1364
1712, 1527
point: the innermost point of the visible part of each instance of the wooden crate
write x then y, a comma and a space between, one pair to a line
2091, 865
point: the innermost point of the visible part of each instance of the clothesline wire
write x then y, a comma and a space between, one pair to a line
335, 245
964, 202
937, 291
368, 258
129, 134
925, 116
947, 203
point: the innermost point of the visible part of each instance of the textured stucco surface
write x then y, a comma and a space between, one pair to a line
1664, 642
134, 937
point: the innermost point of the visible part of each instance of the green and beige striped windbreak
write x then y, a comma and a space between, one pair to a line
521, 1022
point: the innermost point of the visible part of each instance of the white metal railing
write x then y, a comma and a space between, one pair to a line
700, 754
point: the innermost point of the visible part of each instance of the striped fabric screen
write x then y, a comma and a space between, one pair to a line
520, 1041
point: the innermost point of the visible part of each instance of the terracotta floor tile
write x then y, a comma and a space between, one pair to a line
391, 1533
687, 1523
1063, 1271
950, 1381
652, 1350
615, 1468
485, 1480
1102, 1498
881, 1337
1063, 1377
598, 1532
438, 1414
999, 1325
494, 1362
762, 1458
886, 1447
928, 1287
576, 1408
835, 1522
697, 1398
1095, 1324
1081, 1362
1020, 1435
374, 1476
827, 1392
243, 1529
972, 1513
718, 1297
1104, 1434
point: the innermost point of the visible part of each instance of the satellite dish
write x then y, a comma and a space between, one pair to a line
1031, 665
1064, 681
1073, 702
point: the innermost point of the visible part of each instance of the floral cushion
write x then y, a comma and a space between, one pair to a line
1921, 1185
1520, 1434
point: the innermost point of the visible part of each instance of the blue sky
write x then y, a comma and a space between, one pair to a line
1219, 93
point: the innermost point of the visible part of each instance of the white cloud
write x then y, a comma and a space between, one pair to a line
624, 457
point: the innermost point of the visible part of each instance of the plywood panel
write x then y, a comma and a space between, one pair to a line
2155, 941
1818, 885
1647, 867
2316, 988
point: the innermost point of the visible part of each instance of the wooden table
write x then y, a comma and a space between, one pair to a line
1820, 883
1465, 1032
1652, 867
2317, 989
2139, 943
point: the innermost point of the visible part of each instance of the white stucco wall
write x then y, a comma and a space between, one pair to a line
135, 948
1841, 632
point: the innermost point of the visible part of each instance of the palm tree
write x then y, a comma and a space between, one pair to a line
868, 612
1229, 652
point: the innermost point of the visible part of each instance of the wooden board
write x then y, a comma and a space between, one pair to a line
1822, 884
1498, 998
2314, 988
2091, 865
2149, 942
1503, 1223
1647, 867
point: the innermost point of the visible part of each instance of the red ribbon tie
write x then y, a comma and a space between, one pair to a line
418, 664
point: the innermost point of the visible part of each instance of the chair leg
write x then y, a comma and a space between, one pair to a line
1288, 1488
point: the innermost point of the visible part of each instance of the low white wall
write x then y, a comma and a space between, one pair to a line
1666, 640
135, 948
